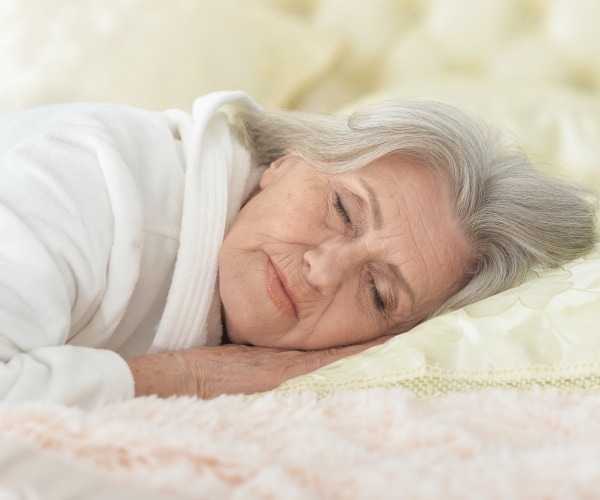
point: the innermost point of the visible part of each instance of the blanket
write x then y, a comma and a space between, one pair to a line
376, 443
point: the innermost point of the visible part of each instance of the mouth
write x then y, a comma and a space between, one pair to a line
279, 290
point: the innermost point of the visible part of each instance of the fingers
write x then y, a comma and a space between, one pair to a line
356, 348
328, 356
379, 340
248, 369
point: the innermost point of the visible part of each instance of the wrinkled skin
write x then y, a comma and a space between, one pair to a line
351, 268
314, 269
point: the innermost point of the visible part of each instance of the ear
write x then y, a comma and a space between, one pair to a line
276, 170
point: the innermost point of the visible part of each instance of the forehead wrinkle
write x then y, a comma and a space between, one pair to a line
429, 221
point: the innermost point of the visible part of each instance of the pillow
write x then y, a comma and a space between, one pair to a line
545, 332
155, 54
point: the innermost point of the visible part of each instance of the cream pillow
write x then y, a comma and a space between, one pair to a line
155, 54
545, 332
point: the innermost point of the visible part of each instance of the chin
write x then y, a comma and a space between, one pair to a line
232, 332
239, 330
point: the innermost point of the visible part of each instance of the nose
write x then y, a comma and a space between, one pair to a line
326, 266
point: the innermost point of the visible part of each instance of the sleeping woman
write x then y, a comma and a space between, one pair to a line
227, 250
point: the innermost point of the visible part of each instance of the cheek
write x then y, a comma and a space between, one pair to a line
342, 321
293, 215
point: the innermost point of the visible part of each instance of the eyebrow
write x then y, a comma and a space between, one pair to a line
377, 223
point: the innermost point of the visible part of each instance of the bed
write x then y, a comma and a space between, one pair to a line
496, 400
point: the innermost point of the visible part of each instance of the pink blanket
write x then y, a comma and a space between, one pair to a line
377, 443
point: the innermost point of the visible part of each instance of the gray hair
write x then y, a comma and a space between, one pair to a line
514, 216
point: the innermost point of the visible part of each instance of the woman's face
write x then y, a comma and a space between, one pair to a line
318, 260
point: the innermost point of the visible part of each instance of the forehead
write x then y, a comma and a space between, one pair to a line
396, 179
419, 234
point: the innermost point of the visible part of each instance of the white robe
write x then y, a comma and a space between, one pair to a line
110, 223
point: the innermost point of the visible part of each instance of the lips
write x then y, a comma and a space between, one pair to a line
279, 290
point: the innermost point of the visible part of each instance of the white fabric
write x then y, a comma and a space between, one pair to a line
94, 202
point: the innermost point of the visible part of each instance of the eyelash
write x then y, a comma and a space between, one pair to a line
343, 213
341, 210
377, 299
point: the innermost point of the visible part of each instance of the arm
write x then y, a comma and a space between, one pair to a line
208, 372
56, 233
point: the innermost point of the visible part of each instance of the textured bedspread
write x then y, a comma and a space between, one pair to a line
373, 443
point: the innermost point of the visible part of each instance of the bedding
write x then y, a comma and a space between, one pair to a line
373, 443
497, 400
155, 55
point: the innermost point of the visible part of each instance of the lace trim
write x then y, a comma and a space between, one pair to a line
431, 381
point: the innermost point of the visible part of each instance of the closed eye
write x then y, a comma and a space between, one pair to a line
376, 296
341, 210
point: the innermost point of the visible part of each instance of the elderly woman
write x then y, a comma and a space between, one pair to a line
135, 242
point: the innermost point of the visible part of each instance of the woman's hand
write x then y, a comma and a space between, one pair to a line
207, 372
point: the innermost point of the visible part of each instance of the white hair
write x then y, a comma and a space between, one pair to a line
514, 216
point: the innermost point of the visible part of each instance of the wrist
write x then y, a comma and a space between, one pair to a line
164, 375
